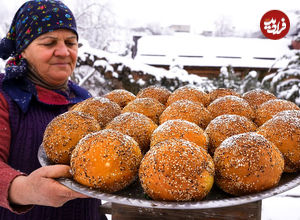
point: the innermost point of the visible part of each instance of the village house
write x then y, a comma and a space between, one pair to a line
205, 56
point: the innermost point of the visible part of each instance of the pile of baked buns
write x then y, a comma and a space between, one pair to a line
178, 144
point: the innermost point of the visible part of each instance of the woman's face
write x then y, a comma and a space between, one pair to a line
53, 55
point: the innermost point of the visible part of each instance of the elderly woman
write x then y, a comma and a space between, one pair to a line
42, 43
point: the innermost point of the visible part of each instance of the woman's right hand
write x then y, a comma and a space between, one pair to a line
41, 188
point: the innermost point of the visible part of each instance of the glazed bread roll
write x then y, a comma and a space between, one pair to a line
225, 126
63, 133
284, 131
221, 92
289, 113
186, 110
120, 96
149, 107
190, 93
102, 109
177, 170
247, 163
155, 92
270, 108
106, 160
230, 105
180, 129
135, 125
257, 97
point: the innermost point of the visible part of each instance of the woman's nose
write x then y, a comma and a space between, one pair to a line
61, 50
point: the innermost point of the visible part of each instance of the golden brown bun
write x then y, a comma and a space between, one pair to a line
225, 126
107, 160
230, 105
155, 92
270, 108
190, 93
247, 163
136, 125
186, 110
221, 92
289, 113
120, 96
146, 106
102, 109
64, 132
284, 132
180, 129
177, 170
257, 97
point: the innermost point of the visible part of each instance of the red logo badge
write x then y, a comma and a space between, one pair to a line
275, 24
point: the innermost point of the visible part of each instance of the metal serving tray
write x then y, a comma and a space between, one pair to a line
133, 195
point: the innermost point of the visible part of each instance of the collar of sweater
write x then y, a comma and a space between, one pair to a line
23, 91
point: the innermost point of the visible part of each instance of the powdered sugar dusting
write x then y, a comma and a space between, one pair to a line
270, 108
120, 96
156, 92
180, 129
231, 105
103, 109
249, 136
221, 92
176, 170
190, 93
149, 107
107, 160
247, 163
187, 110
257, 97
225, 126
284, 132
135, 125
63, 133
289, 113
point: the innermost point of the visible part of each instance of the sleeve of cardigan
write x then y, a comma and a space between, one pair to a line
6, 172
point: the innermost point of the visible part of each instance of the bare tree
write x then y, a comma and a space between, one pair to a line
224, 26
95, 22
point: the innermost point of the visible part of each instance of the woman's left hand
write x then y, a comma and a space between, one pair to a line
41, 188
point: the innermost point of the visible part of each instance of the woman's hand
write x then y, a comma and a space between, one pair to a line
40, 188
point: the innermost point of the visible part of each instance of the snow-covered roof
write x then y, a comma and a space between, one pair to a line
159, 73
195, 50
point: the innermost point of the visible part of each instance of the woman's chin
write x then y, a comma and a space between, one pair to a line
58, 81
60, 76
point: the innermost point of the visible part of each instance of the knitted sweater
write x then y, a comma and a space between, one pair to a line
21, 134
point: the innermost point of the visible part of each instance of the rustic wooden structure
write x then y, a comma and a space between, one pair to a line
204, 56
249, 211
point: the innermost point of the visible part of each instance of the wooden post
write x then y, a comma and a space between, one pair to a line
240, 212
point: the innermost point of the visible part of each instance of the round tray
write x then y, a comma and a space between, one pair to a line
134, 195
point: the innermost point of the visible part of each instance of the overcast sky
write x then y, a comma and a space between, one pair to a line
245, 14
189, 11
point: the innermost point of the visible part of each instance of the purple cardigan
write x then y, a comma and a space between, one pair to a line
27, 130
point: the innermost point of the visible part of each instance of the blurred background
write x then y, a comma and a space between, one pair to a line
133, 44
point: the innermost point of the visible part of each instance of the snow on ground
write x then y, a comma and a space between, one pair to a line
283, 206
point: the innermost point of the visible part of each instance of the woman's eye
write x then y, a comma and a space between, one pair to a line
71, 43
49, 44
